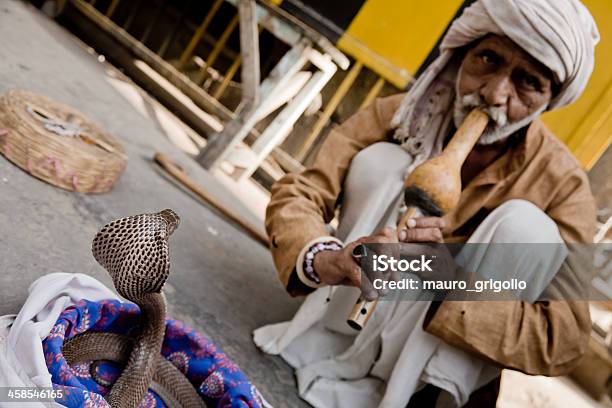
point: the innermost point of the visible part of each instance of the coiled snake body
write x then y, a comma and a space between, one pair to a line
134, 251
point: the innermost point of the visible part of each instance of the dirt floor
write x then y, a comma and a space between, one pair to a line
221, 281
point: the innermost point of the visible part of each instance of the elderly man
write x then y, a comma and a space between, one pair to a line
514, 59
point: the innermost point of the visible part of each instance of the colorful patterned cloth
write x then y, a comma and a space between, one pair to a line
218, 379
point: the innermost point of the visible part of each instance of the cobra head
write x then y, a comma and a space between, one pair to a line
134, 251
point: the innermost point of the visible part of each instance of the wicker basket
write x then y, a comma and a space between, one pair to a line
58, 144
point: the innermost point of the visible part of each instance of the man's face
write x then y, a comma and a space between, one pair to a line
508, 83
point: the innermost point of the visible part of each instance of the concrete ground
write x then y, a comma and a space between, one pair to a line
221, 281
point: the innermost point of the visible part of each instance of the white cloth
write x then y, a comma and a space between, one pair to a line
561, 34
22, 361
337, 367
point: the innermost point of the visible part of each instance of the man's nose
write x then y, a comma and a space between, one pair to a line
496, 91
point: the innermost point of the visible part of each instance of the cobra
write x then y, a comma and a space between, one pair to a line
134, 251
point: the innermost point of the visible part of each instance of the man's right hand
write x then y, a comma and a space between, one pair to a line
341, 268
338, 267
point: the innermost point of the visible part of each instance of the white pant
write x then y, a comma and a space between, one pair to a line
384, 364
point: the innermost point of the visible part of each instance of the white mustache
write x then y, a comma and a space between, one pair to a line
473, 100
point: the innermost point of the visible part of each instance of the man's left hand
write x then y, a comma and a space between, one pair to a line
428, 230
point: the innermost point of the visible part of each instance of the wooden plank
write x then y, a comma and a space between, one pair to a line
176, 78
236, 130
249, 51
331, 106
282, 124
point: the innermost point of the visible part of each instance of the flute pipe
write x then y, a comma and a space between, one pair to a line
463, 141
363, 309
455, 154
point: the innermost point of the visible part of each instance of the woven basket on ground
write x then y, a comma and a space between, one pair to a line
58, 144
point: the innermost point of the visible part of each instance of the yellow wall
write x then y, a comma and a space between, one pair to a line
586, 125
393, 37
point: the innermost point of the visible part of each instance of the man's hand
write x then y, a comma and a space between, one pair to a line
341, 268
422, 229
429, 230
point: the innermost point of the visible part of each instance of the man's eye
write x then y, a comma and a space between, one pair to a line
532, 82
488, 58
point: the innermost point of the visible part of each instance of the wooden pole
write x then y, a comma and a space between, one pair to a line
197, 35
333, 103
214, 54
249, 52
111, 8
179, 174
373, 93
227, 78
440, 179
220, 144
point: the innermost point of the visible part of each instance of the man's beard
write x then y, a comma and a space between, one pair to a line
498, 128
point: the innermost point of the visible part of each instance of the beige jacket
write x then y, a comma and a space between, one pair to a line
545, 338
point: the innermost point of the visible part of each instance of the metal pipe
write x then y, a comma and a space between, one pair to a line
333, 103
197, 35
214, 54
373, 93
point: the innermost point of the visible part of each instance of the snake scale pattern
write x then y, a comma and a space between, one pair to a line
134, 251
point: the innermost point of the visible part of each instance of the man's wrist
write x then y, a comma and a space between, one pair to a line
305, 263
309, 258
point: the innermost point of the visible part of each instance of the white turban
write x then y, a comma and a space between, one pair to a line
561, 34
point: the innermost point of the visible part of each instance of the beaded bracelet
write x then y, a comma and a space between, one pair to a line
308, 266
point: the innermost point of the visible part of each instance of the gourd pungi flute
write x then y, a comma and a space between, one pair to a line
433, 188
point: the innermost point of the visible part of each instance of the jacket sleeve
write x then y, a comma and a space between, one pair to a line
543, 338
302, 204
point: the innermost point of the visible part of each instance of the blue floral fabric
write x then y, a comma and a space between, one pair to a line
218, 380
